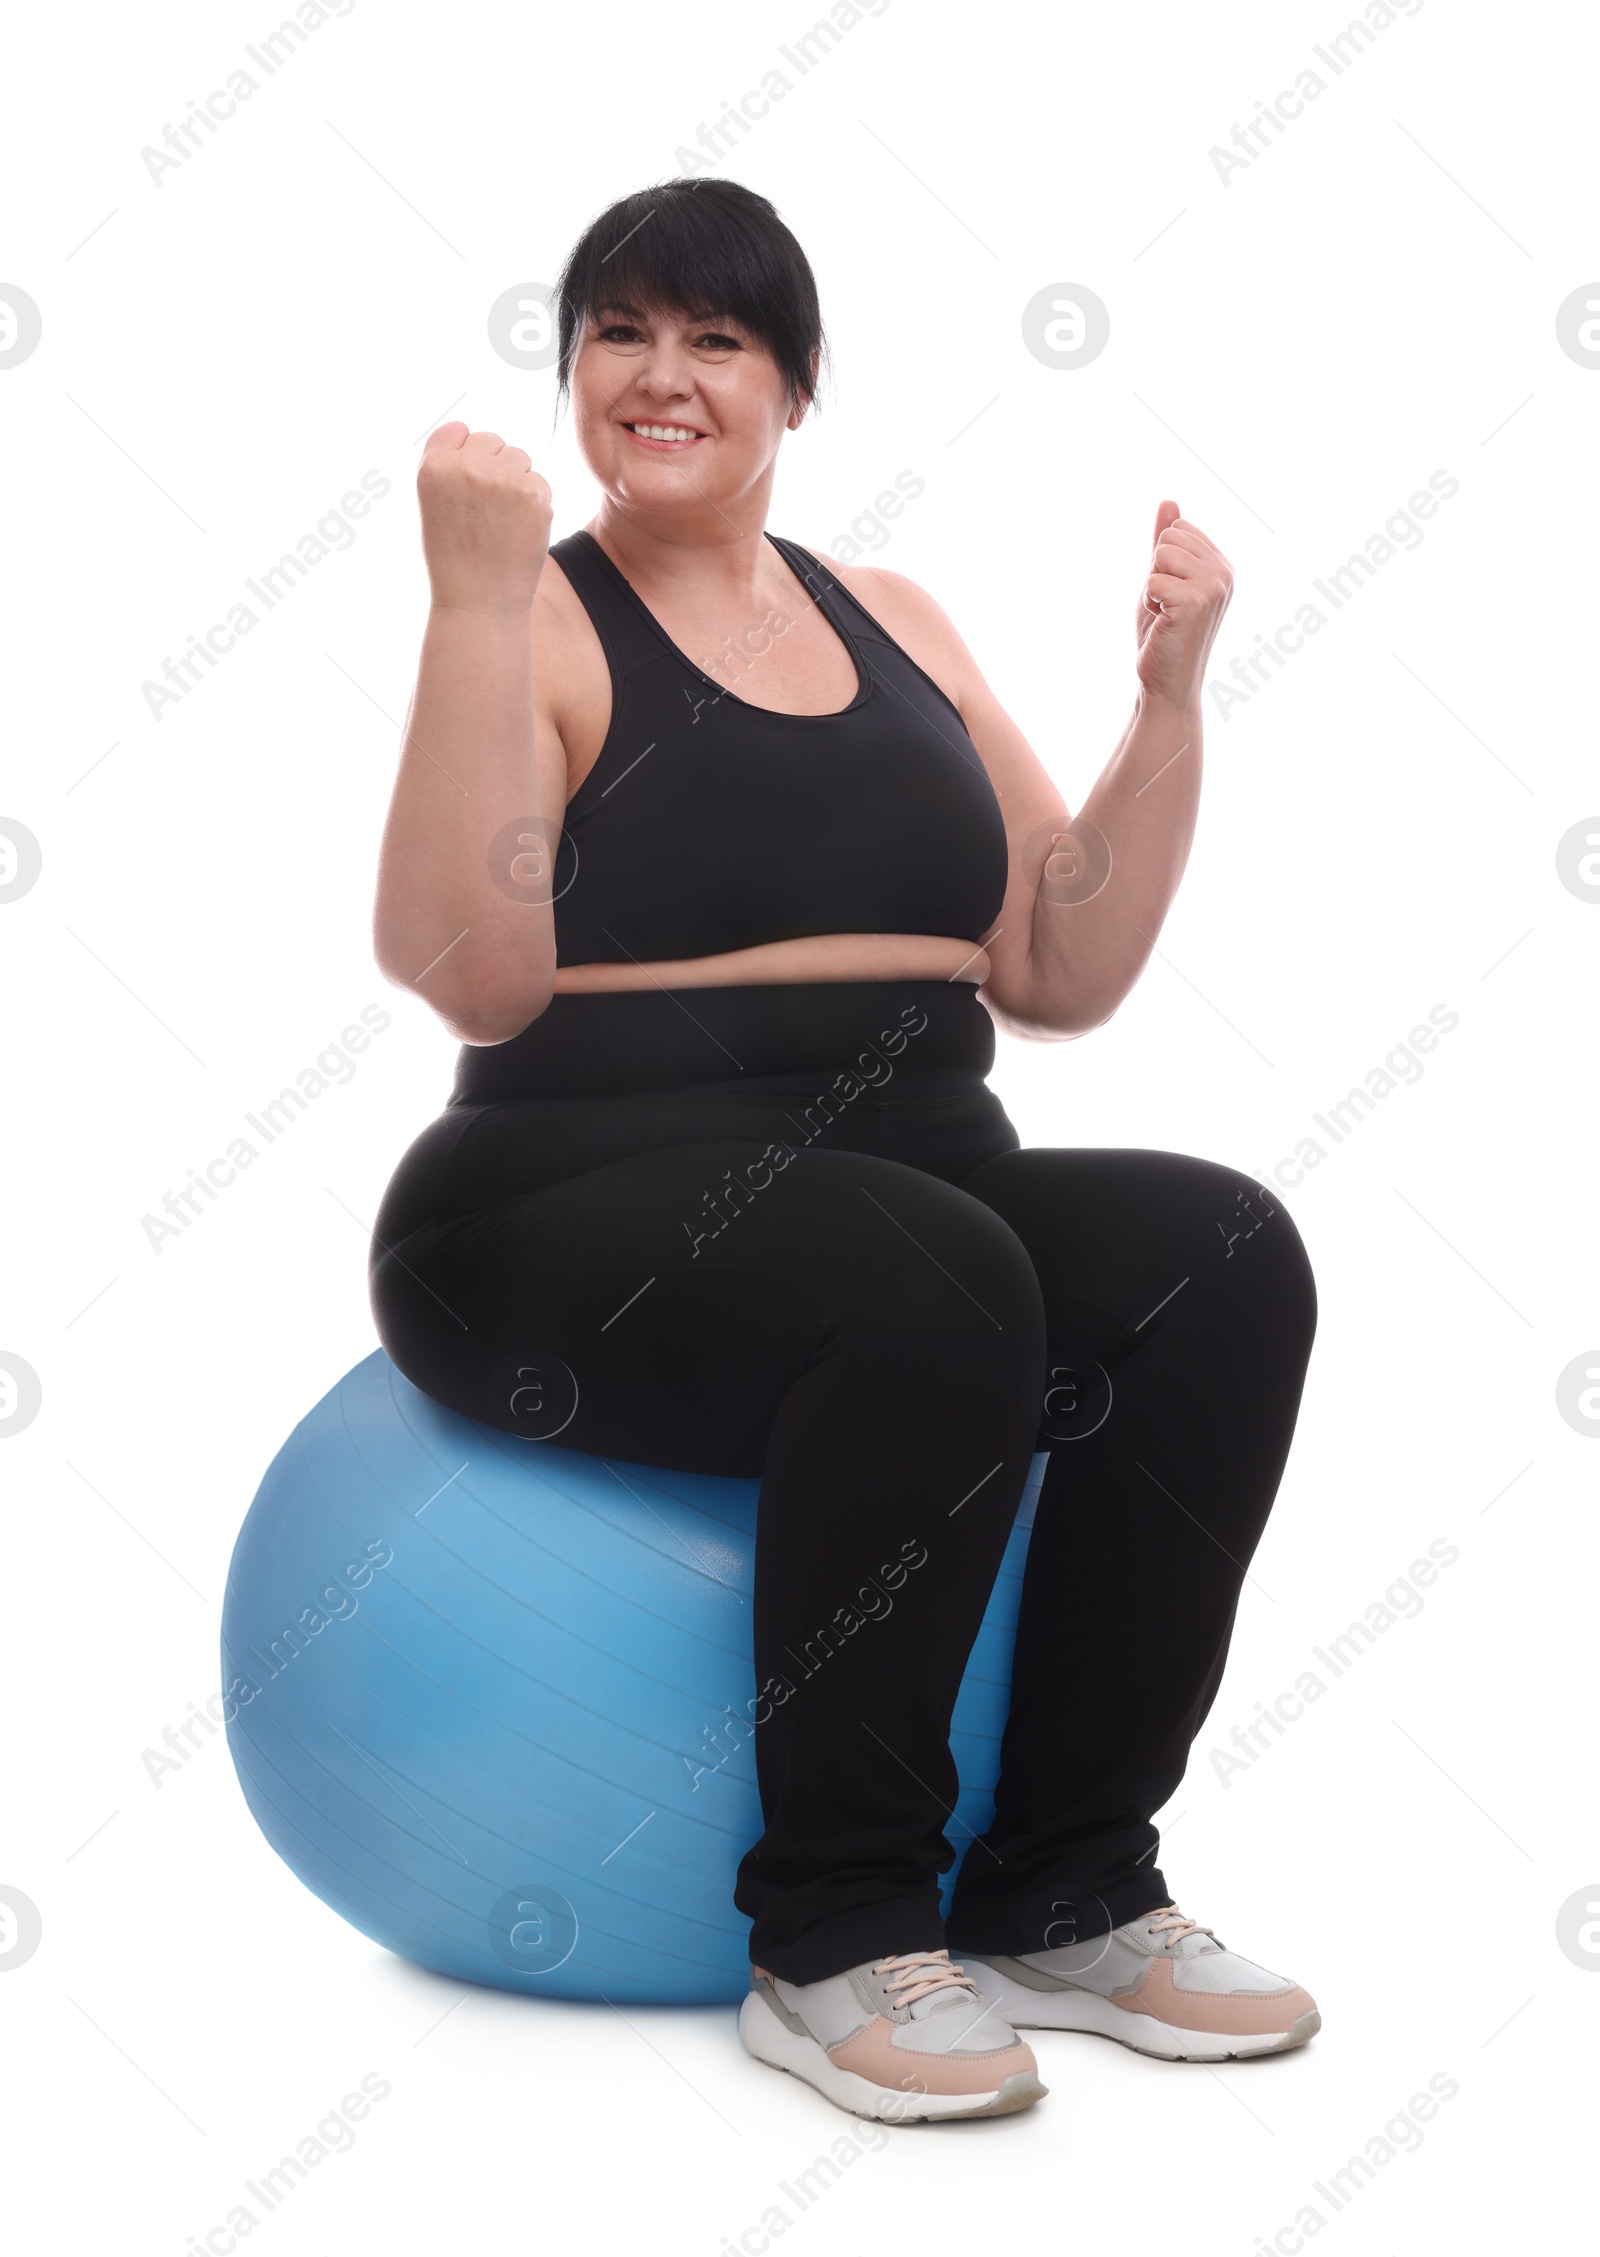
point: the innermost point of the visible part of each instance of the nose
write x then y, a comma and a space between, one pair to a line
666, 374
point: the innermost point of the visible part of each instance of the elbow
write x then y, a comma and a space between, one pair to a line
1087, 1018
470, 1014
1055, 1030
1055, 1020
484, 1033
1071, 1026
482, 1021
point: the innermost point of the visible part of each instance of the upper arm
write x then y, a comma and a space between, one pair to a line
571, 678
1028, 794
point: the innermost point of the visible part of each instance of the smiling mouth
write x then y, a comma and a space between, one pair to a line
665, 438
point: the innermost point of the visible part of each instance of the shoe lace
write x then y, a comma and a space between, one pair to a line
918, 1974
1172, 1926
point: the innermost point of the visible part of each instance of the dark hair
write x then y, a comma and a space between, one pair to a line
697, 246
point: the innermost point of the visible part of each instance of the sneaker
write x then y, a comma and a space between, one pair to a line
1161, 1984
906, 2038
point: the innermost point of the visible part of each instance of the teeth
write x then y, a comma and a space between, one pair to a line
663, 431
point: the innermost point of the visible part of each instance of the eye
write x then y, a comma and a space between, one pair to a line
617, 332
718, 341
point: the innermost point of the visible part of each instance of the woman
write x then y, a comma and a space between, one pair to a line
722, 864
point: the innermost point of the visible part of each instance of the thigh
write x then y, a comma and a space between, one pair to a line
661, 1307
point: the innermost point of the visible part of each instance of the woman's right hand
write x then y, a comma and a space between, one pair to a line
485, 521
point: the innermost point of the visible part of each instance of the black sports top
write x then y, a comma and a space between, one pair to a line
708, 823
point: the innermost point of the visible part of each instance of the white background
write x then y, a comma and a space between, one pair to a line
1292, 353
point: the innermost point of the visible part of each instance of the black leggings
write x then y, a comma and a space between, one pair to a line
858, 1286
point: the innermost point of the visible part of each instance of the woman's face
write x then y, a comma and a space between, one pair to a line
706, 381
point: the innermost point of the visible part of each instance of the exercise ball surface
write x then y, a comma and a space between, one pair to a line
491, 1699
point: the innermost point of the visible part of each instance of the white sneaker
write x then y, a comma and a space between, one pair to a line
905, 2038
1161, 1984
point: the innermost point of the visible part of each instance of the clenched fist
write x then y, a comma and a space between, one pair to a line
1181, 605
485, 520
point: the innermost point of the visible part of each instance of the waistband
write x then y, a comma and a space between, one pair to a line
933, 1033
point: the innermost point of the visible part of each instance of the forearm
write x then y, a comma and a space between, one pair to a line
1090, 940
471, 765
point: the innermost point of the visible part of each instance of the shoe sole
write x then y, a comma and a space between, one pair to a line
1027, 2009
767, 2039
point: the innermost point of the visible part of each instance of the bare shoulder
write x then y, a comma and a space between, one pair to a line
917, 623
565, 644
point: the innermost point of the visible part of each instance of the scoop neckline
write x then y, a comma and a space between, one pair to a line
772, 713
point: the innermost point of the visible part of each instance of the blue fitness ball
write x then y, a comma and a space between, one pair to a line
493, 1700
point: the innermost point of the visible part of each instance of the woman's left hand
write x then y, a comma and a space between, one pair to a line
1180, 608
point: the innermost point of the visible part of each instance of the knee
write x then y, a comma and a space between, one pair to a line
1253, 1222
1236, 1228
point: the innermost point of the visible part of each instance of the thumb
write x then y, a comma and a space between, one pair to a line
1167, 513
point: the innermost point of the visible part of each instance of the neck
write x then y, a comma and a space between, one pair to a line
711, 548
